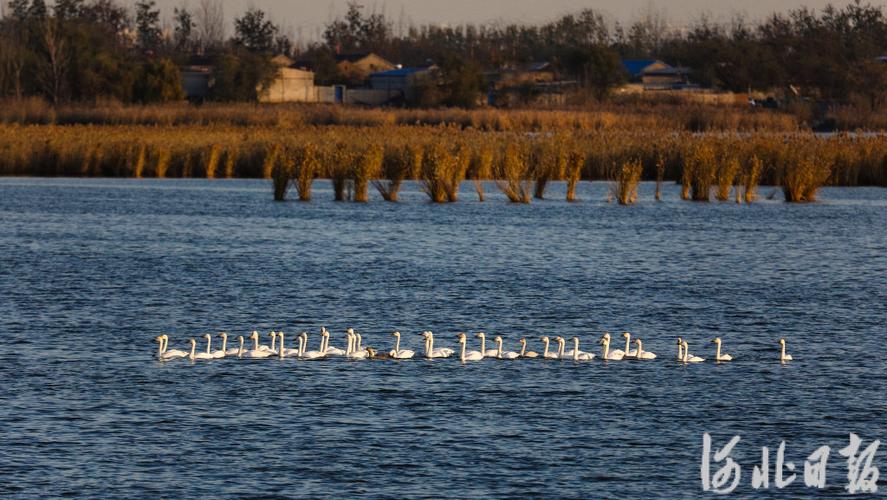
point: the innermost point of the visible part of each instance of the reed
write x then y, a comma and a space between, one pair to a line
400, 163
803, 177
282, 175
514, 173
366, 163
702, 167
727, 170
573, 172
550, 159
437, 163
752, 177
660, 175
307, 164
212, 161
626, 181
481, 168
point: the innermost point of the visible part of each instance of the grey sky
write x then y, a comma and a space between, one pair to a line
307, 17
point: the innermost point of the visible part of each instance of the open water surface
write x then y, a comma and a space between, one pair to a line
92, 269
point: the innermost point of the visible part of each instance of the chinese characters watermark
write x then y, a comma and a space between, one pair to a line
862, 476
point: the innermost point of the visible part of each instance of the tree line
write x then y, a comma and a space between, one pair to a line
83, 50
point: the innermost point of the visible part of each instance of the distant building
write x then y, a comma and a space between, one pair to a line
290, 84
533, 73
882, 59
400, 83
653, 74
197, 78
356, 68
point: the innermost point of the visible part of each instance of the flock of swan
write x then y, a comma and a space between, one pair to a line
355, 350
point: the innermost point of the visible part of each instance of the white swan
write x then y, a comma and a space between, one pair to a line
432, 352
165, 356
680, 349
524, 353
397, 352
629, 354
174, 353
504, 355
330, 351
259, 347
353, 342
215, 354
309, 355
614, 352
228, 352
198, 355
282, 351
641, 353
614, 355
545, 353
471, 355
489, 353
256, 352
718, 355
579, 355
783, 357
689, 358
273, 336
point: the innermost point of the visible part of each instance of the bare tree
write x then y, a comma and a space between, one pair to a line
210, 24
51, 73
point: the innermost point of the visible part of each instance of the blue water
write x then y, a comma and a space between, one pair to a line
92, 269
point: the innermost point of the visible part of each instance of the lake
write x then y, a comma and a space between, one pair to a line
91, 270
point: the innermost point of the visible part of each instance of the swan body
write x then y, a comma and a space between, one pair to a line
641, 353
198, 355
372, 354
524, 353
718, 356
397, 353
783, 357
629, 354
579, 355
309, 355
173, 353
614, 355
489, 353
688, 358
353, 351
545, 353
468, 356
166, 356
215, 354
504, 355
228, 352
282, 351
431, 352
257, 352
330, 351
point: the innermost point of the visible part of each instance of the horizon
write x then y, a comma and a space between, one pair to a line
304, 20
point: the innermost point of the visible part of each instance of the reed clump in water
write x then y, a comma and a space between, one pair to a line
573, 170
549, 157
481, 168
727, 170
626, 180
366, 163
514, 173
401, 162
699, 173
438, 164
803, 177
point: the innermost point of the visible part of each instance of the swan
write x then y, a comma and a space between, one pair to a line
615, 352
471, 355
689, 358
175, 353
629, 354
273, 336
614, 355
579, 355
353, 351
641, 353
309, 355
504, 355
397, 352
372, 354
430, 351
259, 347
165, 356
283, 352
215, 354
718, 355
566, 354
680, 349
545, 353
257, 352
357, 346
330, 351
489, 353
524, 353
228, 352
783, 357
198, 355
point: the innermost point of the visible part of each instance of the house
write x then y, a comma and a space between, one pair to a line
196, 81
654, 74
290, 84
401, 83
882, 59
533, 73
356, 68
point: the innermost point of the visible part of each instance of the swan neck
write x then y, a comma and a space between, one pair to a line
209, 342
523, 349
462, 352
224, 343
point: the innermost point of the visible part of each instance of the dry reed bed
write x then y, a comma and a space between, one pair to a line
726, 166
632, 116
